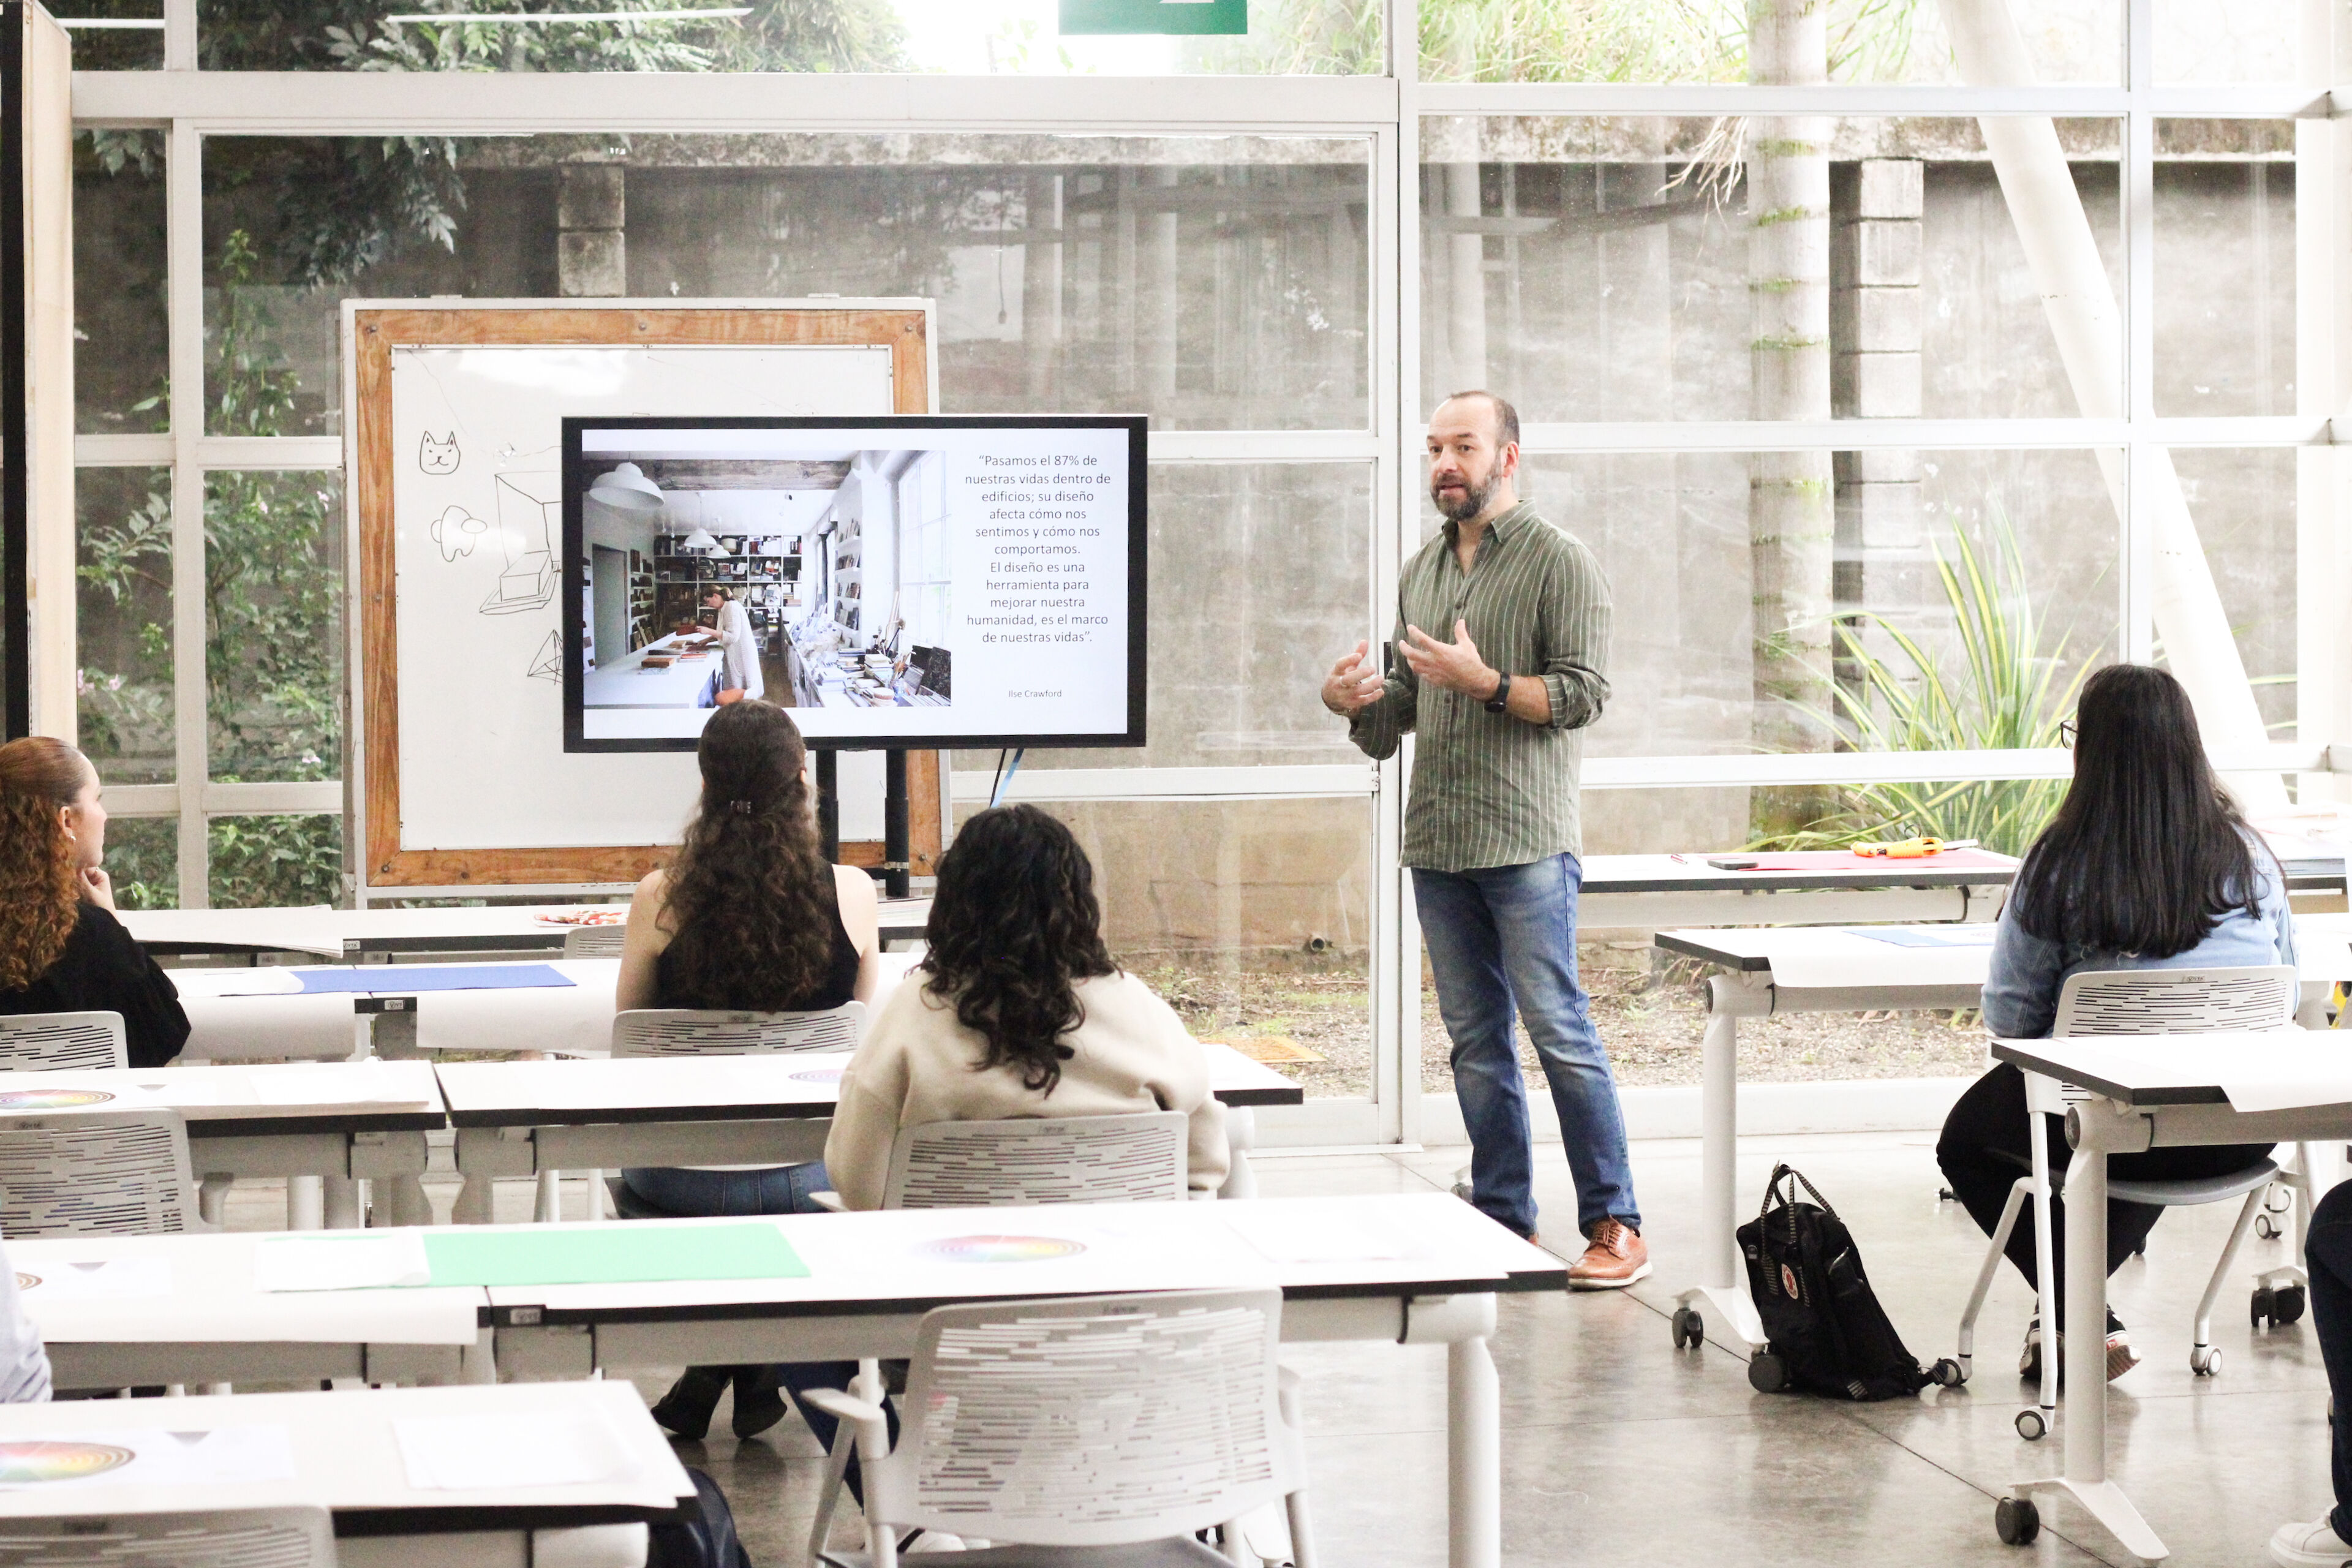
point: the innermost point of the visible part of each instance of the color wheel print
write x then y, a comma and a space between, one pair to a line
52, 1098
56, 1461
27, 1282
1002, 1249
818, 1075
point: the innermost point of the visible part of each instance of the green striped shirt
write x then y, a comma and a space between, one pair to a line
1489, 789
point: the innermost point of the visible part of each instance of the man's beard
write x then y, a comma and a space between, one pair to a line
1472, 502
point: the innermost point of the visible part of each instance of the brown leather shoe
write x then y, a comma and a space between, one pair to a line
1615, 1256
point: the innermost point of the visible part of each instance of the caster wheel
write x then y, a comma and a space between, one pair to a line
1947, 1373
1766, 1373
2266, 1227
1690, 1329
2016, 1521
2205, 1360
2264, 1305
2032, 1427
2286, 1305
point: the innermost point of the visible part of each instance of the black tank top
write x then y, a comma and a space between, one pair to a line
838, 985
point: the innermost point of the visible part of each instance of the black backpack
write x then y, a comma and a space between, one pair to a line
1827, 1332
702, 1536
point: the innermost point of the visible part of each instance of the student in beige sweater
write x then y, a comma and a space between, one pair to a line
1017, 1010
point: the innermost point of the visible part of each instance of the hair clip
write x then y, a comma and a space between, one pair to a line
739, 808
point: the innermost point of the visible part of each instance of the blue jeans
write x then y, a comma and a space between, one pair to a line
682, 1190
1502, 935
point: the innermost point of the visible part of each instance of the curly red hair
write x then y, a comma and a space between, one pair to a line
40, 892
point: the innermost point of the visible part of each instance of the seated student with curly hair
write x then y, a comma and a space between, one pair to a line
61, 949
749, 917
1016, 1010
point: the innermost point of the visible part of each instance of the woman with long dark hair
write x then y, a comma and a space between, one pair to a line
1017, 1010
749, 916
61, 949
2147, 865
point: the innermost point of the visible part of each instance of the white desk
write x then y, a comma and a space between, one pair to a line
183, 1309
872, 1276
346, 1456
233, 1027
2150, 1093
520, 1119
627, 683
364, 1120
1791, 888
1816, 970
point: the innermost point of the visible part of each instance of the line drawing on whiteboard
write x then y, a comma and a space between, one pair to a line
547, 664
457, 531
440, 457
527, 504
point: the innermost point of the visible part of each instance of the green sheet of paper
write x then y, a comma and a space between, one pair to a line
563, 1255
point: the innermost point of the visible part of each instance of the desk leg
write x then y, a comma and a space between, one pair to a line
211, 1198
2086, 1478
343, 1202
1474, 1456
306, 1203
1719, 1294
1241, 1137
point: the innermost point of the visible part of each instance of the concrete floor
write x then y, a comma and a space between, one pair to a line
1619, 1449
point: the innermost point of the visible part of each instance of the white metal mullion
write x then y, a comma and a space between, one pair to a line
1396, 953
2224, 102
2135, 581
2319, 212
184, 292
179, 35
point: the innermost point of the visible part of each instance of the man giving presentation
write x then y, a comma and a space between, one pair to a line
1502, 637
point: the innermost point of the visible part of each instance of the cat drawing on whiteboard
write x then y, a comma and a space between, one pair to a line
438, 456
456, 530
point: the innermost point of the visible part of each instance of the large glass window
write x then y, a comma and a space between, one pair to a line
1658, 269
120, 359
1212, 283
122, 615
273, 644
994, 36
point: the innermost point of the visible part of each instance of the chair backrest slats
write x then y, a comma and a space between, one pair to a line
227, 1538
101, 1174
594, 942
697, 1032
55, 1042
1131, 1159
2177, 1000
1091, 1421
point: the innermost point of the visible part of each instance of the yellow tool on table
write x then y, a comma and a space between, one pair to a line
1913, 849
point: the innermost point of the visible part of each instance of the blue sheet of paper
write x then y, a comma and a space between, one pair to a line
378, 978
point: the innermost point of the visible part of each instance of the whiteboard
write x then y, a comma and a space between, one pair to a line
479, 527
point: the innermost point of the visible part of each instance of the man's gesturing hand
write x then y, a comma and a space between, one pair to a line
1352, 685
1455, 666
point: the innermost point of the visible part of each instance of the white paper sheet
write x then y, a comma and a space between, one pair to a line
2286, 1073
237, 982
1286, 1237
147, 1455
250, 1029
526, 1448
357, 1261
335, 1083
97, 1280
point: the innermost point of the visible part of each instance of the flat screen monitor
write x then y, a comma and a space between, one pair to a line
916, 581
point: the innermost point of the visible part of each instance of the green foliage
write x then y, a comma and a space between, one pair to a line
260, 861
2005, 694
127, 711
143, 856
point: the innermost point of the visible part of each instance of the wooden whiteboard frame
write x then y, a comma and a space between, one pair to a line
372, 329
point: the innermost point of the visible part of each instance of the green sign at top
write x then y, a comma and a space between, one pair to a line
1162, 18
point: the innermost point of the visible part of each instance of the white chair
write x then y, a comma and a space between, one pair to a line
301, 1537
103, 1173
1119, 1424
594, 942
698, 1032
2139, 1002
55, 1042
1131, 1159
705, 1032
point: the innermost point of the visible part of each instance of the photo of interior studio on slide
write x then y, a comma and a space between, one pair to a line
816, 580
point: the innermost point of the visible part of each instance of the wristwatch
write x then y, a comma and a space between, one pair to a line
1501, 701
